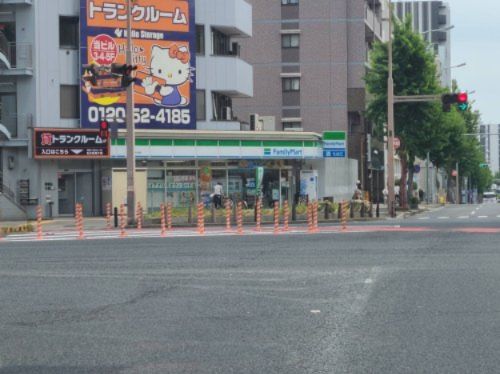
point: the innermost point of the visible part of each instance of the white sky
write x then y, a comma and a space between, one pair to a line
476, 41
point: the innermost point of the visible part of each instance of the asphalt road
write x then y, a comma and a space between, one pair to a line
393, 302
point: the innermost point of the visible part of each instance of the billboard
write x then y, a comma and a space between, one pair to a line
69, 144
164, 50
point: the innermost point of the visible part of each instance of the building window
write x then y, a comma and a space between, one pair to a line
222, 107
221, 43
291, 84
68, 32
200, 39
290, 41
70, 101
289, 2
200, 105
292, 125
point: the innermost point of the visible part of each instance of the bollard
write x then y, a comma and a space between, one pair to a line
39, 234
344, 215
339, 215
123, 221
108, 216
169, 216
201, 219
139, 216
239, 218
116, 217
351, 210
258, 218
79, 220
315, 207
285, 216
310, 223
228, 214
362, 210
276, 217
162, 221
377, 211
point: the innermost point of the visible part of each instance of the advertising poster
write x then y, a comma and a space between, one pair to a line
164, 50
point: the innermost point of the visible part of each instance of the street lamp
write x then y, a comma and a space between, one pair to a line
130, 124
447, 28
390, 124
455, 66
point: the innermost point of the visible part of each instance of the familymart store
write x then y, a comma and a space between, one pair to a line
183, 167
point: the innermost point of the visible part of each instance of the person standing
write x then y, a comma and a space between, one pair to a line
218, 195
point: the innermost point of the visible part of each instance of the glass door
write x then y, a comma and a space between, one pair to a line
66, 188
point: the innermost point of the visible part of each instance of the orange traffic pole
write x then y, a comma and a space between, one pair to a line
240, 217
79, 220
286, 214
228, 215
344, 215
39, 233
310, 224
169, 216
162, 220
201, 219
138, 216
276, 217
123, 221
258, 220
108, 216
315, 206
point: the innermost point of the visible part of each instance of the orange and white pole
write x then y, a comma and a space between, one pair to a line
310, 223
169, 216
286, 217
228, 215
108, 216
39, 233
239, 217
123, 221
276, 217
201, 219
79, 220
258, 220
162, 221
344, 215
138, 216
315, 206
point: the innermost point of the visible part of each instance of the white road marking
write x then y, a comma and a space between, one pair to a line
473, 213
369, 281
315, 311
424, 218
482, 217
443, 217
498, 216
463, 217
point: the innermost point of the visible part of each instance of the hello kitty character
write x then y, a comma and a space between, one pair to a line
172, 65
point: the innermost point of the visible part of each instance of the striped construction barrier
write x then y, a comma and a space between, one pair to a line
201, 219
276, 217
286, 217
163, 232
239, 218
39, 214
123, 221
227, 208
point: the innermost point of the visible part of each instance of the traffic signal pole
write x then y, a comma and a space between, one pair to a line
391, 196
130, 125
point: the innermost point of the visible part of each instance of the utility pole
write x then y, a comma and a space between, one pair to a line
427, 178
458, 186
130, 124
390, 125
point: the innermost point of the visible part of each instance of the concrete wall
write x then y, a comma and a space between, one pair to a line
337, 177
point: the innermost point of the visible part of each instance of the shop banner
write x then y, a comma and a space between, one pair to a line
164, 50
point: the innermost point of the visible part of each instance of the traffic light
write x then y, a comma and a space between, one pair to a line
461, 99
104, 130
125, 71
483, 166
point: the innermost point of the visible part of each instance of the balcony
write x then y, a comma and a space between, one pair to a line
233, 17
228, 75
374, 28
15, 58
15, 125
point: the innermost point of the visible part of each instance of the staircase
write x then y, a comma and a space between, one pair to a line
10, 210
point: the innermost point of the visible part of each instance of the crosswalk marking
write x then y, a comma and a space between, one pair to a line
463, 217
482, 217
443, 217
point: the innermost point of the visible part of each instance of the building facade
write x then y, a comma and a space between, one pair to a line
309, 60
489, 138
432, 20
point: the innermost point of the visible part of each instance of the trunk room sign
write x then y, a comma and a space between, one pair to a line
164, 50
69, 144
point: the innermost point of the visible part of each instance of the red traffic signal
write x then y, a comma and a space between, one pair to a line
462, 97
104, 129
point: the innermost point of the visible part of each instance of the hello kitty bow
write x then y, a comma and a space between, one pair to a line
175, 52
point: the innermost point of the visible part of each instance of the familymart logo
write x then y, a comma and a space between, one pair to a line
283, 152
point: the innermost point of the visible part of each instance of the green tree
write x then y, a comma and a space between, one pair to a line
416, 124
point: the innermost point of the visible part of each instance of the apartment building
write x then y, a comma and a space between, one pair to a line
489, 138
309, 60
432, 20
41, 84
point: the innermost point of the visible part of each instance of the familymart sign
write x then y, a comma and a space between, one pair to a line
335, 144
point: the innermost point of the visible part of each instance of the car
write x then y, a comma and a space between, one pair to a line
489, 197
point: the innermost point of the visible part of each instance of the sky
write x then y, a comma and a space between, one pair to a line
475, 40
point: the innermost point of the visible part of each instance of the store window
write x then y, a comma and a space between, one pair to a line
156, 189
223, 107
200, 105
181, 187
69, 32
289, 2
200, 39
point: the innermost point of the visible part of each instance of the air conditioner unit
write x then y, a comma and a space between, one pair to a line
268, 123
